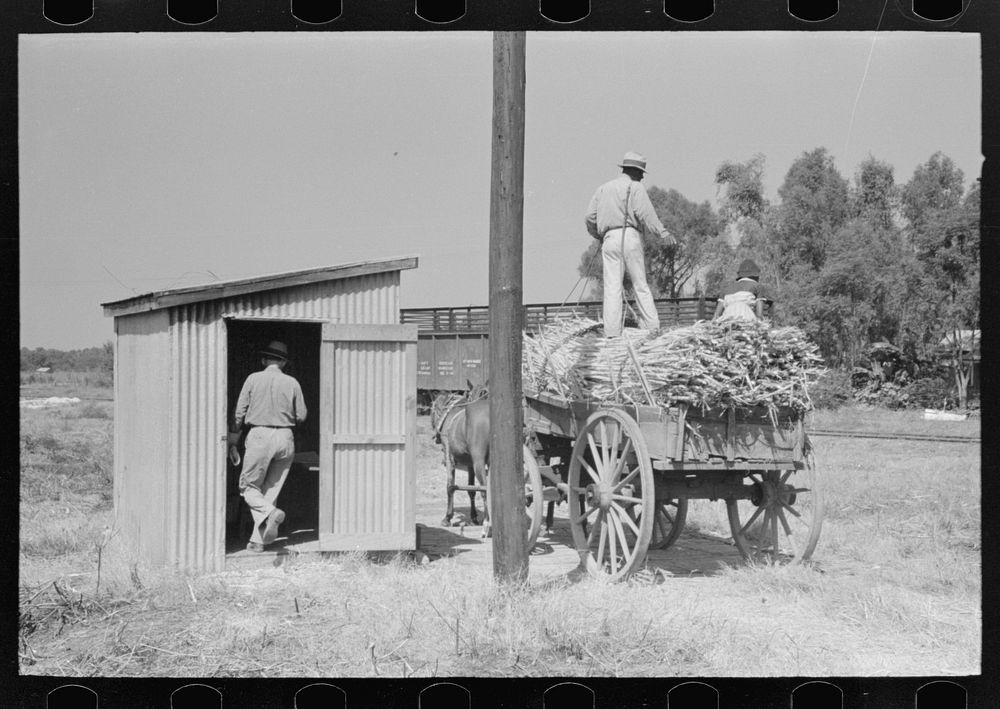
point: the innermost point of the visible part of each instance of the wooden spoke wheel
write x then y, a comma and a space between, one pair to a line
534, 499
781, 521
534, 503
611, 495
668, 522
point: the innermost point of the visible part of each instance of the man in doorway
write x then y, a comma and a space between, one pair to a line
271, 404
619, 212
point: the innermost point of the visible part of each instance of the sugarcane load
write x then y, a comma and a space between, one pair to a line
708, 364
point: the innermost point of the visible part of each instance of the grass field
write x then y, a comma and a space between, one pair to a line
895, 589
84, 385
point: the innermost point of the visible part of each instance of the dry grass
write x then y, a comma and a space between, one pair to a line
352, 616
895, 590
874, 420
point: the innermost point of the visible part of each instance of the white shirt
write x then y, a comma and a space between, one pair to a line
607, 209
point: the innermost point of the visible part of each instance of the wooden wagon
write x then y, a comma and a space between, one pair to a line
628, 472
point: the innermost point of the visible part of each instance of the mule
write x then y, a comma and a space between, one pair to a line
462, 426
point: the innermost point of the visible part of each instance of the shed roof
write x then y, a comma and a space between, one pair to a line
242, 286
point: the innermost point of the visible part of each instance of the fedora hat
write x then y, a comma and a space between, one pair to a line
275, 349
748, 269
633, 160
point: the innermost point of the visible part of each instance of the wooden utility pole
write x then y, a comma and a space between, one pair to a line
506, 478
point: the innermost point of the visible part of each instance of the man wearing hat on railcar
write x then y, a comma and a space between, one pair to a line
271, 404
742, 299
619, 212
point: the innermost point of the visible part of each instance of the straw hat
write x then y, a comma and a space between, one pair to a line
633, 160
275, 349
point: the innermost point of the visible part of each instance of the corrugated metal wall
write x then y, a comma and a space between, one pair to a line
196, 492
173, 387
142, 436
365, 299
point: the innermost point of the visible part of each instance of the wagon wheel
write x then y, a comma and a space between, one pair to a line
609, 490
668, 522
781, 522
534, 500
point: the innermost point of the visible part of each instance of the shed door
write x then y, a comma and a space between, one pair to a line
368, 406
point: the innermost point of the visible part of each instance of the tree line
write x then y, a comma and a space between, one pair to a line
90, 359
853, 262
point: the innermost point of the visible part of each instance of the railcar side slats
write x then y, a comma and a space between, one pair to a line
452, 345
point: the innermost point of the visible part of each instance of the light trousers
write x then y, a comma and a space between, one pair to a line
623, 252
268, 458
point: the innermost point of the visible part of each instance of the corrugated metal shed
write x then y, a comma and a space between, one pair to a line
179, 356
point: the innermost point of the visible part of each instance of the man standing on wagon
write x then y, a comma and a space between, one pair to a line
619, 212
271, 403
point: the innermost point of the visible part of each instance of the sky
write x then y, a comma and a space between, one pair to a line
154, 161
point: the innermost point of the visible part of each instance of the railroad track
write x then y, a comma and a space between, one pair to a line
937, 438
